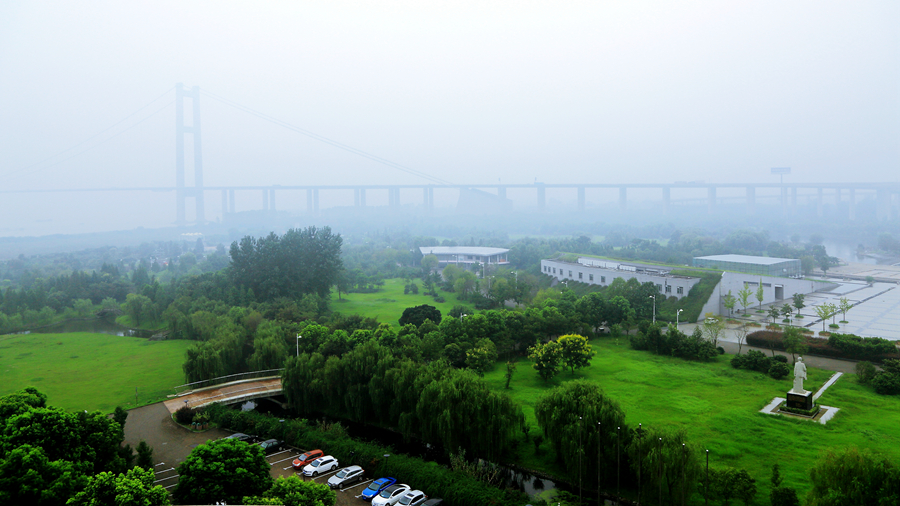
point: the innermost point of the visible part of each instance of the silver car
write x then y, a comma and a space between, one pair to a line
346, 476
320, 465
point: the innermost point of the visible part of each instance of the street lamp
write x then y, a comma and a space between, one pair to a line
654, 307
676, 317
298, 344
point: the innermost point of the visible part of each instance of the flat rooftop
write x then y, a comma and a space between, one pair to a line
746, 259
461, 250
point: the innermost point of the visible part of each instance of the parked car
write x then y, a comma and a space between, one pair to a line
390, 495
271, 445
320, 465
240, 436
346, 476
437, 501
412, 498
377, 486
306, 459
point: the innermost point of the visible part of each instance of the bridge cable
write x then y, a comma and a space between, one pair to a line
95, 145
326, 140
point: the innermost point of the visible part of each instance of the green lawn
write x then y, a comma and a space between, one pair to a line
91, 371
719, 406
388, 303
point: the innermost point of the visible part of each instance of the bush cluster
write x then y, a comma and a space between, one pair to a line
674, 343
845, 346
886, 381
456, 488
753, 360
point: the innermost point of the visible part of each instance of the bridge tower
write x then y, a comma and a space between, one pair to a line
182, 192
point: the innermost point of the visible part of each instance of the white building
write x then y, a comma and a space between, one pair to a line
466, 256
593, 271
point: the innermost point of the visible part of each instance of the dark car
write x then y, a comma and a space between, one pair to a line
377, 486
437, 501
306, 458
271, 445
240, 436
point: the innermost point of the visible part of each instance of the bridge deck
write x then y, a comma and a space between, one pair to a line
229, 393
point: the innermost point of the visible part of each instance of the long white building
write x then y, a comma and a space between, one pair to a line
467, 255
593, 271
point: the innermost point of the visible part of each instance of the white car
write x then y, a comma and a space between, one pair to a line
412, 498
390, 495
320, 465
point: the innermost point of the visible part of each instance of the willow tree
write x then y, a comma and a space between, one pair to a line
578, 417
667, 462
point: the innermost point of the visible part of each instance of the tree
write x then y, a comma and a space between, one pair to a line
773, 313
844, 306
665, 460
133, 487
744, 296
144, 455
729, 301
579, 416
794, 343
222, 470
546, 358
823, 311
83, 307
293, 491
760, 294
482, 356
120, 415
575, 351
429, 263
712, 328
799, 302
853, 476
510, 370
727, 483
298, 263
741, 334
418, 314
139, 308
787, 311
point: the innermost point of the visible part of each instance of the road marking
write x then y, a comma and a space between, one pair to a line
160, 464
164, 479
165, 470
170, 486
358, 484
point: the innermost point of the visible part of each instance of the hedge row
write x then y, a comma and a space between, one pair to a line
456, 488
845, 346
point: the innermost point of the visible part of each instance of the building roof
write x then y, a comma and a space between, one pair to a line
747, 259
461, 250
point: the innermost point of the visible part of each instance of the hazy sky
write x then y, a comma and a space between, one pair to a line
470, 92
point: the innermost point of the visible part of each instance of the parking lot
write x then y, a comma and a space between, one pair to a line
281, 466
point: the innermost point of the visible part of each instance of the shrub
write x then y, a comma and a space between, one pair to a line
784, 496
886, 383
779, 369
752, 360
720, 350
185, 415
833, 326
865, 372
780, 358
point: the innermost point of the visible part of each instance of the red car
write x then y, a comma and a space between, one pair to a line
306, 458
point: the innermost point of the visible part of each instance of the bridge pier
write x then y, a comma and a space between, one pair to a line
820, 202
837, 197
623, 198
794, 201
667, 199
751, 200
711, 200
428, 198
581, 199
312, 200
883, 209
852, 212
231, 201
394, 196
272, 199
359, 197
541, 196
501, 192
224, 202
265, 197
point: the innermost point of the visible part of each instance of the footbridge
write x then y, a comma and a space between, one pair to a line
229, 389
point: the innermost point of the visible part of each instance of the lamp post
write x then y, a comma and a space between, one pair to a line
618, 464
640, 430
599, 501
706, 492
677, 313
654, 307
659, 457
299, 337
580, 453
683, 471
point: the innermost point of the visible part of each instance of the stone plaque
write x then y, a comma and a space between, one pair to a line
800, 401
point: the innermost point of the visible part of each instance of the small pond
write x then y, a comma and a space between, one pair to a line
95, 325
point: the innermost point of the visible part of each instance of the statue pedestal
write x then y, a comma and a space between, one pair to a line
800, 400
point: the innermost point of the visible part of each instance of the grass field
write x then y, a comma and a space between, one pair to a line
388, 303
91, 371
719, 407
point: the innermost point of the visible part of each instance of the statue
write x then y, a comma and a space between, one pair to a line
799, 376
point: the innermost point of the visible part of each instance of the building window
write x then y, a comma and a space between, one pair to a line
659, 288
580, 276
668, 288
590, 277
570, 274
554, 270
603, 279
680, 290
